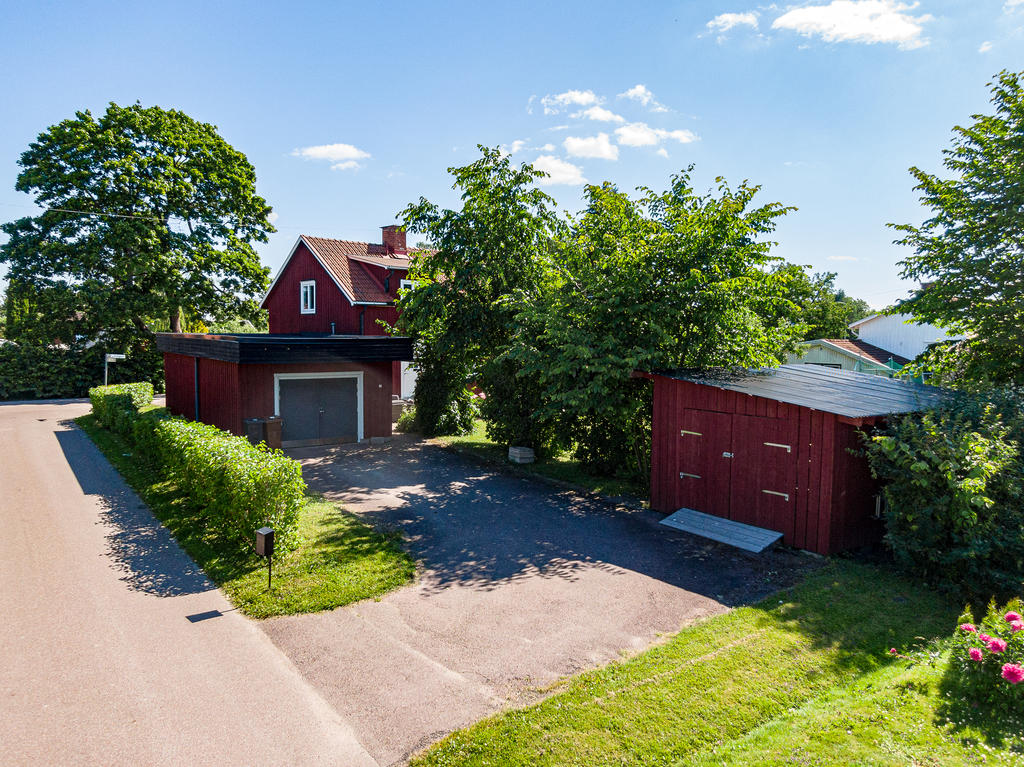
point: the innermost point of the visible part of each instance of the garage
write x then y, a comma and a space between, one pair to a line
775, 448
319, 409
326, 389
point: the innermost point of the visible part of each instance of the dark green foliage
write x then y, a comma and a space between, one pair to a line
981, 682
487, 264
825, 311
953, 483
443, 403
117, 407
672, 279
148, 213
32, 371
971, 250
239, 486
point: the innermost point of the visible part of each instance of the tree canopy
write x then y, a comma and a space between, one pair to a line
970, 252
825, 310
148, 213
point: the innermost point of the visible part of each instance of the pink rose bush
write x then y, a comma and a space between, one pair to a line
987, 657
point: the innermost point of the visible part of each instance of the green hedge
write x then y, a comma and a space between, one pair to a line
117, 407
240, 486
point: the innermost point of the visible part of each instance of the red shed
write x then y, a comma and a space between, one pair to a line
326, 389
772, 448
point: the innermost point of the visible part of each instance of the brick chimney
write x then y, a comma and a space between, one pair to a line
393, 238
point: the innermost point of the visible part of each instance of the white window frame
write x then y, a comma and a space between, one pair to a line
356, 374
302, 293
406, 284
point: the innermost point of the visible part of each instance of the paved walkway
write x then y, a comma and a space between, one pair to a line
521, 585
116, 649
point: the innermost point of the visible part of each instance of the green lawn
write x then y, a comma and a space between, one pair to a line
340, 560
796, 679
560, 467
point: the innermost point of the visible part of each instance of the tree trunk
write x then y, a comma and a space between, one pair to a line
176, 319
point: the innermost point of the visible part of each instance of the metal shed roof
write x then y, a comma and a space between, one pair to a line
843, 392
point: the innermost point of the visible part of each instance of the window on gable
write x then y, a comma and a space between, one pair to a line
307, 297
406, 284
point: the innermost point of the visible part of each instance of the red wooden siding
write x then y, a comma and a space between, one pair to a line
218, 395
282, 304
776, 447
179, 377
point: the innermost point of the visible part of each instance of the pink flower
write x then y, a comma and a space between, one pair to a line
985, 638
1013, 673
997, 645
1010, 617
968, 627
892, 650
975, 653
1017, 626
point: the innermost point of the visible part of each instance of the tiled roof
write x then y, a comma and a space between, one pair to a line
864, 349
344, 259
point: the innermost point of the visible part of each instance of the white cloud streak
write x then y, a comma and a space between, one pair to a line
642, 94
723, 22
985, 47
642, 134
600, 114
858, 21
341, 156
559, 171
553, 104
597, 147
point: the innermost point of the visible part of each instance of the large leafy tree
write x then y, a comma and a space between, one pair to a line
486, 262
971, 250
148, 213
825, 310
672, 279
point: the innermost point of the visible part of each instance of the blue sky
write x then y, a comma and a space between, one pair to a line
349, 111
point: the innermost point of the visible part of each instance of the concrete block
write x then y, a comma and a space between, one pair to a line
521, 455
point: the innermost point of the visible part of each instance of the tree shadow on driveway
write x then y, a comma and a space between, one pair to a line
141, 549
476, 527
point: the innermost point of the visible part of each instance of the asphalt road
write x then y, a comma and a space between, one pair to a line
520, 585
116, 649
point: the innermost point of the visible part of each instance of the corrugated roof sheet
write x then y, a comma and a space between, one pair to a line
843, 392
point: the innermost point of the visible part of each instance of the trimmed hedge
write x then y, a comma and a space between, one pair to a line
117, 407
241, 487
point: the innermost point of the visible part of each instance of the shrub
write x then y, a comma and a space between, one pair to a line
953, 483
407, 420
443, 403
987, 659
240, 486
117, 407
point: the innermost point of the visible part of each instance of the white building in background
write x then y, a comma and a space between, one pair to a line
899, 334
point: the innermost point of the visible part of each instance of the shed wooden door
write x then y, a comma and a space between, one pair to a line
319, 411
703, 465
763, 486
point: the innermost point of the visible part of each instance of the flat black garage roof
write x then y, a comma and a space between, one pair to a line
266, 348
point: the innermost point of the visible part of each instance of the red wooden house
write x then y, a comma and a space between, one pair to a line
341, 287
774, 448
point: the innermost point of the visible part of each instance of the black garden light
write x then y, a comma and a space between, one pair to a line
265, 548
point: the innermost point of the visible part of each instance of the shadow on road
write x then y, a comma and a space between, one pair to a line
476, 527
140, 548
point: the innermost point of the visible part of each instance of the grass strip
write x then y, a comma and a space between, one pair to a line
714, 681
340, 559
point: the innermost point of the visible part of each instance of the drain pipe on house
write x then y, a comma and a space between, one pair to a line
362, 313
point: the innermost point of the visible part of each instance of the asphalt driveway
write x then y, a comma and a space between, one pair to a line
521, 584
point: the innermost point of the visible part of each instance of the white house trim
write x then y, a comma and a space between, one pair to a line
356, 374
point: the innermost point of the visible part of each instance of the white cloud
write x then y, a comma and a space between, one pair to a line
556, 103
642, 134
342, 156
558, 127
642, 93
985, 47
663, 152
1010, 4
599, 147
272, 217
548, 148
858, 21
516, 146
842, 258
600, 114
559, 171
723, 22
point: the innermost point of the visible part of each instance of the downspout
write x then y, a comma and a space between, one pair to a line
362, 319
195, 383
